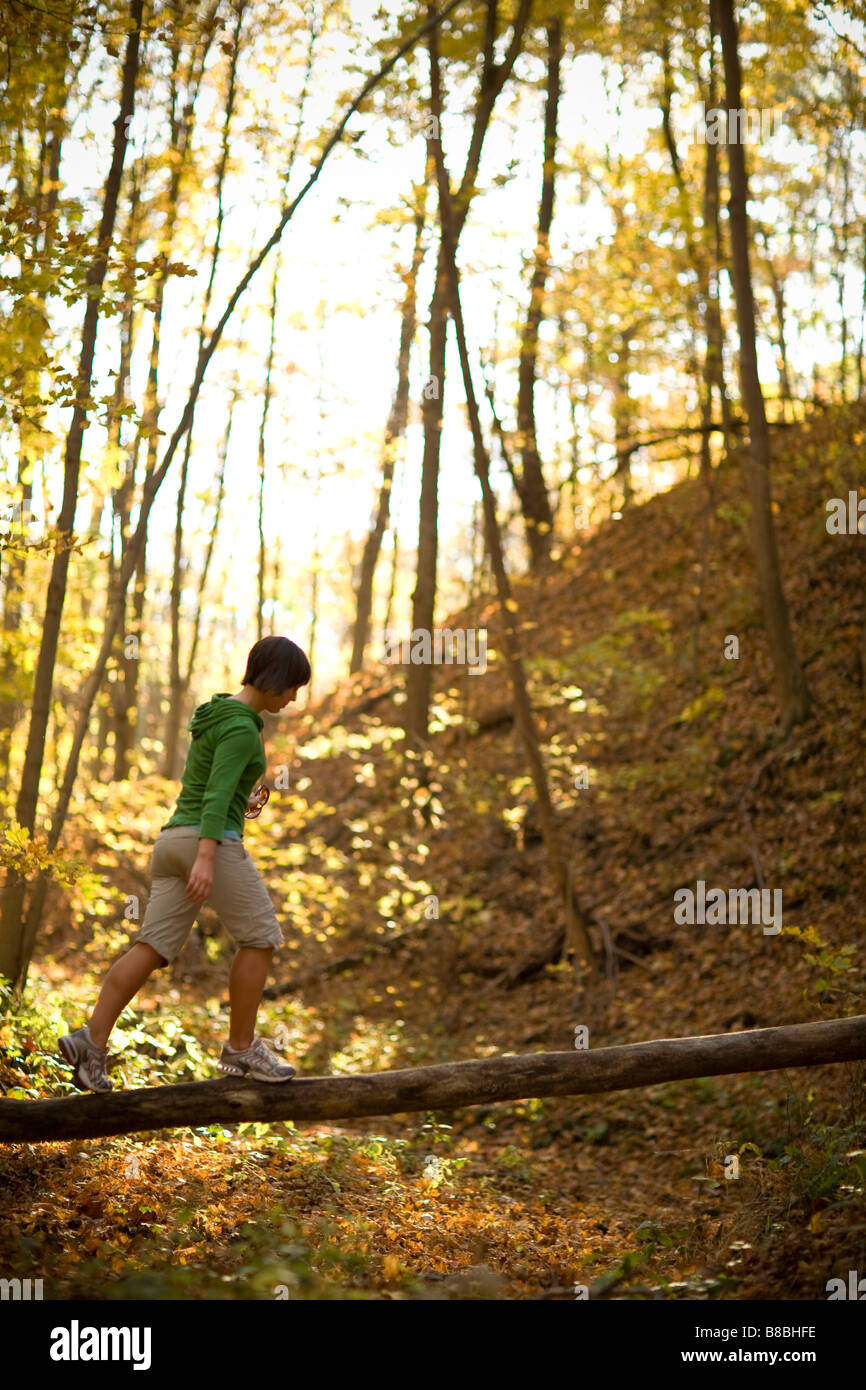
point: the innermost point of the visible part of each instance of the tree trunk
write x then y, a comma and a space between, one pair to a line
447, 1086
704, 250
714, 359
840, 248
777, 287
13, 705
315, 571
793, 692
622, 419
419, 678
178, 683
392, 581
260, 454
534, 500
180, 690
126, 710
121, 495
394, 432
13, 959
784, 375
861, 384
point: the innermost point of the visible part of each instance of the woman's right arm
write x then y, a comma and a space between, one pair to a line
200, 881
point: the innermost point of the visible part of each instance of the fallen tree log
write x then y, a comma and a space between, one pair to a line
442, 1087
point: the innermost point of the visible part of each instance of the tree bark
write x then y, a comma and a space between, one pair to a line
43, 199
419, 678
121, 495
448, 1086
623, 415
792, 690
126, 686
861, 382
841, 256
392, 581
261, 453
315, 575
784, 374
714, 361
704, 250
394, 431
179, 682
180, 688
534, 500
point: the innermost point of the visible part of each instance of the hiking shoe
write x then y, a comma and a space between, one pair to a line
87, 1060
257, 1062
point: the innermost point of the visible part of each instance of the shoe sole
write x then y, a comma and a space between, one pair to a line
69, 1055
237, 1071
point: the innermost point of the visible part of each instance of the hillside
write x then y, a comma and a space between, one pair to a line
421, 925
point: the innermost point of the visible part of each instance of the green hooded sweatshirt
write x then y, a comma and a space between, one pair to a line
224, 762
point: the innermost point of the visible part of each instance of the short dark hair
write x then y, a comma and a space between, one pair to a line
275, 664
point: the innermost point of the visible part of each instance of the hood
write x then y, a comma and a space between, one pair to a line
222, 711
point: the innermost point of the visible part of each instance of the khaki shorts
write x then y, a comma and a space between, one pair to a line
238, 895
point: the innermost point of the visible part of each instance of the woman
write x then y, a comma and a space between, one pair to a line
199, 856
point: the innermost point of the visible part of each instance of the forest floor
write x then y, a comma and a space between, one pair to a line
405, 894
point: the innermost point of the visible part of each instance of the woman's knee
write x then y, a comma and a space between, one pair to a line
147, 955
263, 952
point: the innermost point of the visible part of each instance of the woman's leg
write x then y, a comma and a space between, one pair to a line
246, 982
122, 983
